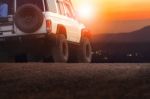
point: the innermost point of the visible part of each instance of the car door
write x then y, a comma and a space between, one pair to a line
61, 17
74, 31
68, 20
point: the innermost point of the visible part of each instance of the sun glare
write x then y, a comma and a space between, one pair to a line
85, 11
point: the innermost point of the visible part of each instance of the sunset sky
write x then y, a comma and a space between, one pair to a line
115, 15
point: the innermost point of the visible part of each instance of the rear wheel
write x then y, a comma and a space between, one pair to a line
85, 51
60, 49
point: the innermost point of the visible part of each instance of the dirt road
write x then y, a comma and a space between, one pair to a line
74, 81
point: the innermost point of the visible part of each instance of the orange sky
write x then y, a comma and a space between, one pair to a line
127, 9
108, 11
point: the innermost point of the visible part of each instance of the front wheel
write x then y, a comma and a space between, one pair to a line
60, 51
85, 51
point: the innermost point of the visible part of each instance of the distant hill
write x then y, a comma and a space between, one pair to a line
142, 35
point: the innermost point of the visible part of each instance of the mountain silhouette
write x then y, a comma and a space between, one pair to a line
141, 35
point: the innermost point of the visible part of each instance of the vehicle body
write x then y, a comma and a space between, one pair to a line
31, 22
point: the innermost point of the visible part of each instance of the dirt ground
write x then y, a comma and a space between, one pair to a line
74, 81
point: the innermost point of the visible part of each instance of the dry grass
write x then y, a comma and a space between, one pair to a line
74, 81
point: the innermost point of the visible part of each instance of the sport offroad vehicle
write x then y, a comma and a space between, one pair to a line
46, 28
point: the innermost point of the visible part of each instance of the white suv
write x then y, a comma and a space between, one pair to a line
45, 28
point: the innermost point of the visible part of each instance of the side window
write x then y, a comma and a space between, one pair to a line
51, 4
68, 10
61, 8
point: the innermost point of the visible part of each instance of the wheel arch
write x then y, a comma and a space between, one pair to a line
86, 33
61, 29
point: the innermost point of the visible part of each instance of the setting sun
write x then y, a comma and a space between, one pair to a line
108, 15
85, 11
